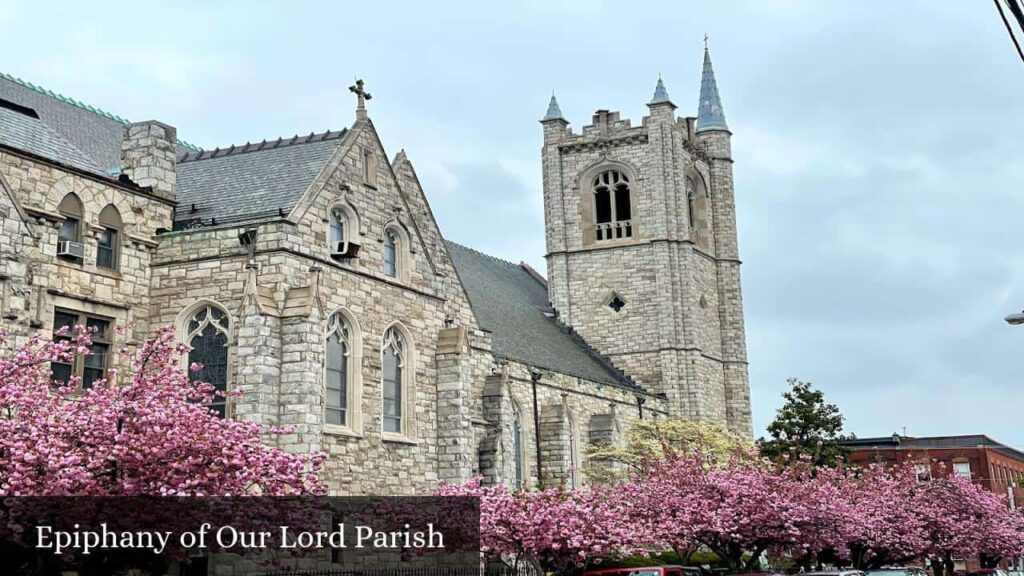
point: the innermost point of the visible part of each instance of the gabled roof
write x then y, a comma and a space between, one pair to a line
21, 128
253, 181
95, 133
511, 302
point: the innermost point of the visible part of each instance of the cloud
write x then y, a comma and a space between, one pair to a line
878, 187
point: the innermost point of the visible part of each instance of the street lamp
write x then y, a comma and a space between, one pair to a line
1015, 319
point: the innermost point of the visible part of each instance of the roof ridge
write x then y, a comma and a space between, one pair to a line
248, 147
79, 104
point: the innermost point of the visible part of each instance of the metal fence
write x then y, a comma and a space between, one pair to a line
489, 569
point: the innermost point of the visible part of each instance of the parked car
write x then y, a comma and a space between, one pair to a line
988, 572
647, 571
757, 574
835, 573
898, 571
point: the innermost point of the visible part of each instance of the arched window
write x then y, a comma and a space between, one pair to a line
517, 447
691, 202
107, 250
396, 374
391, 246
612, 207
338, 226
206, 331
69, 237
339, 369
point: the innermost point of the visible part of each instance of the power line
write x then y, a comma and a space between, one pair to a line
1009, 29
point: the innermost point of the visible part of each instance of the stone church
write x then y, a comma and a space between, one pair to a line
309, 273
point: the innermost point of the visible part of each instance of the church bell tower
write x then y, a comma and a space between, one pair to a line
641, 249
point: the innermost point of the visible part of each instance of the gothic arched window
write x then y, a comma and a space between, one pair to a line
338, 226
691, 201
393, 389
391, 246
612, 206
206, 331
339, 369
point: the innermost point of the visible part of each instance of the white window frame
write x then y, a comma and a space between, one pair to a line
353, 425
403, 252
958, 470
407, 425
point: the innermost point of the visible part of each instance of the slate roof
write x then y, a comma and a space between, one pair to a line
240, 183
21, 128
252, 181
511, 303
96, 133
968, 441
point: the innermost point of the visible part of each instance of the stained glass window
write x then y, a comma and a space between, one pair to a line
208, 337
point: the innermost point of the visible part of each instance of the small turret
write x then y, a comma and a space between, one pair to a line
660, 94
553, 121
554, 112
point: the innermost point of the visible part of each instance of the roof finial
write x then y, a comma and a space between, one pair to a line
361, 97
554, 112
705, 41
710, 115
660, 93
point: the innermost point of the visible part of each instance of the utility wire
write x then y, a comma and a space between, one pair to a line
1009, 29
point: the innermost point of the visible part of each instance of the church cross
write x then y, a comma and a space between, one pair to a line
361, 95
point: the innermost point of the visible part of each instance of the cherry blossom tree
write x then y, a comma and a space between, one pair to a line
962, 519
149, 434
563, 530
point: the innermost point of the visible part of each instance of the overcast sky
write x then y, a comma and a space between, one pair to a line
877, 147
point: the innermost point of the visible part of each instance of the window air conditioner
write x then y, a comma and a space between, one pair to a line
345, 249
70, 249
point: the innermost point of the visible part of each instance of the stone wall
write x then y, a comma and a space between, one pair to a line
41, 282
280, 303
681, 329
596, 410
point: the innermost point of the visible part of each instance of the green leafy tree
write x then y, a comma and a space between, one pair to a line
649, 440
806, 428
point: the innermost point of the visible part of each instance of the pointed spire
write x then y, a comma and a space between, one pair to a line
660, 93
710, 115
554, 112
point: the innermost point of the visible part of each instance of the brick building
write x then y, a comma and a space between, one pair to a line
309, 273
995, 466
